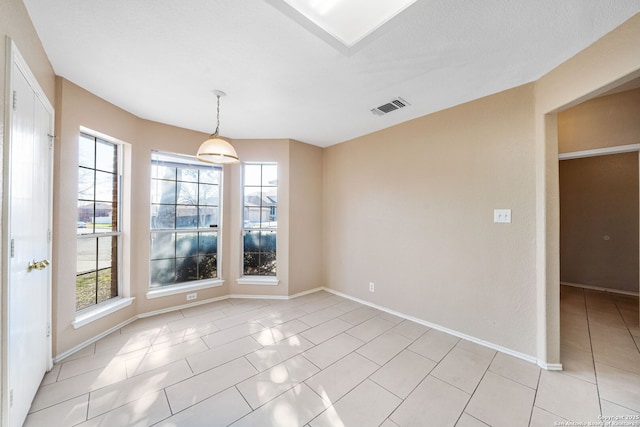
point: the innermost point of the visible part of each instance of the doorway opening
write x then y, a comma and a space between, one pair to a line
599, 247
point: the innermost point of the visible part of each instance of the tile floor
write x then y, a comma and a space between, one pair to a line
322, 360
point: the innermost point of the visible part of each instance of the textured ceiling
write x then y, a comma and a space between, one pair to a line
162, 59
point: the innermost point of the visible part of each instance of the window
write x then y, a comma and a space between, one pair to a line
260, 219
185, 215
98, 222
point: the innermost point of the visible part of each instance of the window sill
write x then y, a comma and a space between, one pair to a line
180, 289
100, 311
258, 280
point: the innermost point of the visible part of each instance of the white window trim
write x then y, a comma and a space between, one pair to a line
165, 291
258, 280
93, 313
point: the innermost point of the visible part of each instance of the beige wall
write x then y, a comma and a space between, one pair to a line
599, 221
410, 208
306, 268
606, 121
609, 62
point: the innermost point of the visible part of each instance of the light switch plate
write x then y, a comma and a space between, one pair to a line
502, 215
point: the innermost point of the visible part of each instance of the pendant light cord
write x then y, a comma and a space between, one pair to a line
218, 117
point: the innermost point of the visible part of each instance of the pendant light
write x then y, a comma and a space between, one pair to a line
215, 149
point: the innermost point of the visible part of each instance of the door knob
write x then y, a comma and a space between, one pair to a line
38, 265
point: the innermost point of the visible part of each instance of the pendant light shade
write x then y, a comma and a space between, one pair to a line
215, 149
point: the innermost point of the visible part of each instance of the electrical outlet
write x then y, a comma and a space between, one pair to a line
192, 296
502, 215
372, 287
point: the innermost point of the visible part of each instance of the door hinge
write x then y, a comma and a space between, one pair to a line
49, 235
48, 330
51, 138
13, 248
15, 100
10, 398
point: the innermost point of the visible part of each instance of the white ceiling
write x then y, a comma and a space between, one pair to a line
162, 59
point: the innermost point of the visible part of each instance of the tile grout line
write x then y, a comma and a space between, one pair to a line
625, 324
535, 397
593, 357
475, 389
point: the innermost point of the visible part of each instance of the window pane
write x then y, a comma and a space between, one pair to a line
251, 217
163, 172
163, 192
105, 285
209, 195
268, 213
186, 216
273, 218
186, 244
86, 152
163, 245
106, 186
187, 193
107, 264
190, 175
253, 196
267, 264
251, 241
104, 221
163, 272
86, 275
208, 243
207, 267
186, 269
251, 264
163, 217
86, 290
269, 175
104, 252
85, 217
209, 176
85, 184
252, 175
106, 156
87, 254
268, 241
208, 217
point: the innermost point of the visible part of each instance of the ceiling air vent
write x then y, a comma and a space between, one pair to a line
396, 104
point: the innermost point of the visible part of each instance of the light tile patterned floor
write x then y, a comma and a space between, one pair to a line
322, 360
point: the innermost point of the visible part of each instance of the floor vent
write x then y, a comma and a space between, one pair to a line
396, 104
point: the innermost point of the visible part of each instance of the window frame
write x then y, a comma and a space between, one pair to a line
245, 279
99, 307
158, 156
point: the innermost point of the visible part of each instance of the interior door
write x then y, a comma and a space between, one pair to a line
29, 222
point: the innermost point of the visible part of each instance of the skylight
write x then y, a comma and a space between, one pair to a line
349, 21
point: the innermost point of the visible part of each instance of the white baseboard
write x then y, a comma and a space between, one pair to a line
598, 288
550, 366
517, 354
90, 341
